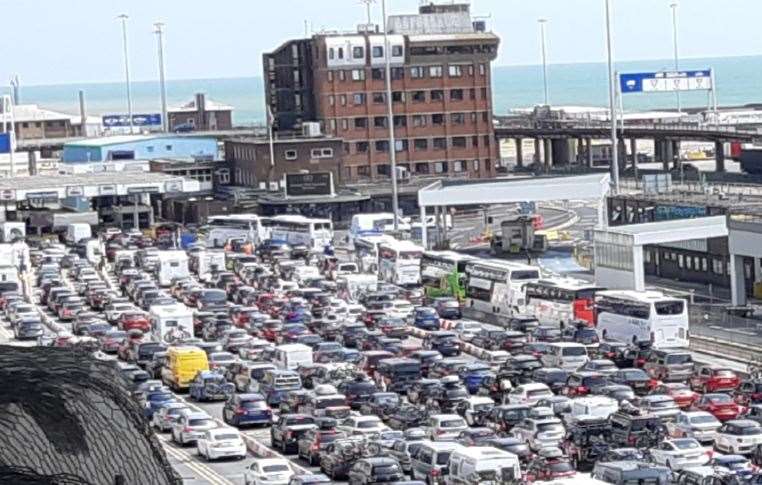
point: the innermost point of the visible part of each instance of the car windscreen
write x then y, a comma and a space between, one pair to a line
443, 457
330, 402
213, 296
200, 422
452, 423
573, 351
275, 468
672, 307
254, 404
367, 424
299, 420
678, 359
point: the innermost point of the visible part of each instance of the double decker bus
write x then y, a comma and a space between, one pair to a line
399, 262
316, 234
219, 229
366, 251
496, 286
642, 316
562, 300
443, 273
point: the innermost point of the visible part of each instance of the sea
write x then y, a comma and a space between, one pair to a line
584, 84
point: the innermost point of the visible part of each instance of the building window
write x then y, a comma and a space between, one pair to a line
398, 73
417, 72
379, 98
379, 122
377, 74
485, 117
383, 169
149, 149
331, 100
343, 99
472, 94
358, 99
331, 53
421, 144
382, 146
378, 51
330, 76
482, 69
419, 120
486, 140
474, 141
168, 148
321, 153
473, 118
459, 166
437, 119
440, 143
455, 71
358, 52
358, 74
484, 93
25, 125
398, 96
397, 51
459, 142
332, 125
400, 145
487, 165
341, 53
342, 75
717, 267
437, 95
344, 124
400, 121
363, 171
689, 262
440, 167
361, 123
435, 71
422, 168
470, 69
418, 96
476, 165
361, 147
458, 118
456, 95
291, 155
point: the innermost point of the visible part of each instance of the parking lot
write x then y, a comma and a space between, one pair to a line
271, 303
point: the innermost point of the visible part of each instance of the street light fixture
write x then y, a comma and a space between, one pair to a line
123, 17
390, 122
612, 99
673, 6
542, 23
159, 31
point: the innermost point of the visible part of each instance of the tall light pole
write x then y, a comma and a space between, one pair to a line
162, 81
390, 121
612, 99
123, 17
673, 6
542, 23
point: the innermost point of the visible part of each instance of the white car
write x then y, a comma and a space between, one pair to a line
446, 427
189, 427
738, 437
679, 453
344, 269
268, 471
700, 425
529, 393
221, 443
362, 425
540, 433
163, 418
400, 309
467, 329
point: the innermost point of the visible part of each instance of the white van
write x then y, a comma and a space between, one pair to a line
479, 464
209, 262
291, 356
9, 231
9, 278
172, 265
597, 407
565, 355
77, 231
93, 251
170, 321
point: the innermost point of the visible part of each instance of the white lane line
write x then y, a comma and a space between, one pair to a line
188, 460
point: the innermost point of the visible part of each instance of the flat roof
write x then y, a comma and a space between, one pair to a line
42, 182
121, 139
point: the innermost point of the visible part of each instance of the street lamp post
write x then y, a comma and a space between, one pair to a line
390, 121
162, 74
542, 23
123, 17
612, 99
673, 6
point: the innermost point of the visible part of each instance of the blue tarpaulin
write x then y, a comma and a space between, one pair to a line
5, 142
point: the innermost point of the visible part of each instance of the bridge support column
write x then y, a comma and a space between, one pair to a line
621, 147
737, 281
719, 155
519, 152
548, 145
561, 152
444, 226
424, 229
537, 148
634, 151
589, 150
580, 151
676, 154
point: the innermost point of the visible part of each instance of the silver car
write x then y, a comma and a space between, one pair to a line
699, 425
660, 405
190, 427
163, 418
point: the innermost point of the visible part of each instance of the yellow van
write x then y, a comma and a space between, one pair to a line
183, 363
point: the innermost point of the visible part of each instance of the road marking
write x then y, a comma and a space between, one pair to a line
188, 460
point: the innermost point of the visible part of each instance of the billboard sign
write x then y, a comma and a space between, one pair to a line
122, 120
173, 186
7, 194
42, 197
75, 191
143, 190
666, 81
5, 142
309, 184
107, 189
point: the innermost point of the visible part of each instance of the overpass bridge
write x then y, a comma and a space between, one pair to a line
553, 136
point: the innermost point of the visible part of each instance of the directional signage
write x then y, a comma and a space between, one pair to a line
43, 197
75, 191
309, 184
7, 194
5, 142
665, 81
120, 120
143, 190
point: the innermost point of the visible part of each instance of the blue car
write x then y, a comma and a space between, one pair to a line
210, 386
289, 333
156, 399
473, 375
426, 318
247, 409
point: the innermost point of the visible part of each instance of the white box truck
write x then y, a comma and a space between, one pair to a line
208, 263
77, 231
171, 266
170, 322
291, 356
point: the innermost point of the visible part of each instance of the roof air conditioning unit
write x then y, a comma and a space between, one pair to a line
311, 129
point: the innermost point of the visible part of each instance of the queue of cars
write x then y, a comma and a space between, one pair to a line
341, 384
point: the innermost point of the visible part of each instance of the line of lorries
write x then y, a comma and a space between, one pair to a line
271, 338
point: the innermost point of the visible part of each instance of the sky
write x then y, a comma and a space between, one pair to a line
66, 41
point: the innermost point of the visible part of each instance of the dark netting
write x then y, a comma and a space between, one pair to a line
66, 417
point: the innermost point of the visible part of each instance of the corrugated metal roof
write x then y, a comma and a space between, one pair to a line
435, 23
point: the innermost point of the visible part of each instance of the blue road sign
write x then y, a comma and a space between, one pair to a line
665, 81
114, 121
5, 142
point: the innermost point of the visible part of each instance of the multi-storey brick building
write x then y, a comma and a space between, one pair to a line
441, 93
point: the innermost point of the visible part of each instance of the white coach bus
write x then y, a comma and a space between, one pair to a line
221, 228
399, 262
496, 286
316, 234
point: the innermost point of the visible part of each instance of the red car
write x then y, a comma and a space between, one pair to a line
683, 396
720, 405
749, 392
242, 316
709, 379
134, 320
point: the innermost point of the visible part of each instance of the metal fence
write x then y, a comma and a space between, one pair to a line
715, 321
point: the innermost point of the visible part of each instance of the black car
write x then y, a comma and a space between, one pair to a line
426, 358
287, 430
375, 470
396, 374
357, 391
523, 323
422, 390
443, 341
617, 352
351, 335
553, 377
381, 404
519, 369
637, 379
583, 335
638, 430
503, 418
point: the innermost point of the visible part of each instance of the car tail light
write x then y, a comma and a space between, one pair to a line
653, 383
582, 389
435, 472
640, 362
240, 411
187, 429
632, 439
709, 453
439, 431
